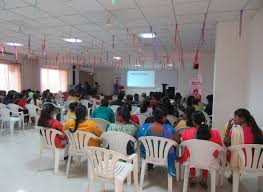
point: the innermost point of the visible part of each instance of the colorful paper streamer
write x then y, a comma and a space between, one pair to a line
29, 46
113, 38
241, 22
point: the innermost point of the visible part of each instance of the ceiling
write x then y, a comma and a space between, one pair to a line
86, 20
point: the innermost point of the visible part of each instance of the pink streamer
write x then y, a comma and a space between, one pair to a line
2, 49
113, 41
241, 23
203, 29
29, 46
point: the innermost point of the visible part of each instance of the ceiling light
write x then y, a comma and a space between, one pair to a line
117, 58
72, 40
170, 65
147, 35
15, 44
137, 65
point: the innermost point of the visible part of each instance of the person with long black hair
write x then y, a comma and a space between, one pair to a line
80, 123
200, 130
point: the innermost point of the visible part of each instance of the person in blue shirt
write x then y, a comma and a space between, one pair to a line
104, 112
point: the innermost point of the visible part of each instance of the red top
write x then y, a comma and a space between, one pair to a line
60, 141
248, 136
22, 103
190, 134
135, 119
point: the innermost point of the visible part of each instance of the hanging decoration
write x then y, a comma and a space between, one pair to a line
15, 52
175, 35
113, 2
241, 22
113, 37
196, 60
129, 60
2, 49
44, 46
133, 40
94, 61
107, 57
57, 57
203, 29
29, 46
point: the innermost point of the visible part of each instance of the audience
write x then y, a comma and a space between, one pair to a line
104, 112
145, 108
209, 106
119, 101
81, 124
165, 101
36, 101
136, 99
71, 113
178, 103
122, 123
196, 95
200, 130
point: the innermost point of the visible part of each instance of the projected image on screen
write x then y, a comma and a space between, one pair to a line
140, 79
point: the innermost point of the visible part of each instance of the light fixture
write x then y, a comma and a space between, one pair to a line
15, 44
137, 65
147, 35
72, 40
170, 65
117, 58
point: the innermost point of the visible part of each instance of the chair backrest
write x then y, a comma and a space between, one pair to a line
201, 153
79, 140
67, 103
2, 105
47, 136
251, 157
112, 139
101, 123
135, 109
142, 118
172, 119
102, 162
32, 109
86, 103
207, 118
5, 114
14, 107
114, 108
157, 148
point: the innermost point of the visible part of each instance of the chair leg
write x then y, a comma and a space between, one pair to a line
142, 173
129, 176
170, 183
135, 174
56, 166
260, 184
181, 172
40, 157
186, 178
12, 128
222, 177
177, 171
90, 182
118, 185
236, 176
213, 180
68, 165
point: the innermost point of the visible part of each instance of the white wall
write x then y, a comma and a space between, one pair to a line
255, 102
230, 84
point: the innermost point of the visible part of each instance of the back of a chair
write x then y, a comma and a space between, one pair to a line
2, 105
79, 140
67, 103
112, 139
114, 108
102, 162
135, 109
251, 157
47, 136
207, 118
32, 109
157, 149
101, 123
172, 119
5, 114
201, 153
142, 118
14, 108
86, 103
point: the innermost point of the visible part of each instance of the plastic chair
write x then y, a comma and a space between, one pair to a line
112, 139
14, 109
172, 119
6, 118
105, 165
250, 162
47, 137
78, 141
101, 123
201, 157
32, 112
156, 153
142, 118
135, 109
114, 108
207, 118
2, 105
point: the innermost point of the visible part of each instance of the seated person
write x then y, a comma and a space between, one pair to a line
150, 119
144, 109
104, 112
199, 131
36, 101
160, 128
119, 101
71, 113
81, 124
165, 101
198, 105
136, 99
178, 103
209, 106
46, 120
242, 129
122, 123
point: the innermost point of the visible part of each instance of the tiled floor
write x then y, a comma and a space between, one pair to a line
19, 165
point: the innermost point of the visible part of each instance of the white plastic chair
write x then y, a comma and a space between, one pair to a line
67, 103
135, 110
105, 165
2, 105
112, 139
172, 119
207, 118
201, 157
14, 108
114, 108
156, 153
101, 123
78, 141
32, 112
6, 118
47, 137
86, 103
142, 118
250, 162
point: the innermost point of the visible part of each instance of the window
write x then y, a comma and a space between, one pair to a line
54, 79
10, 77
